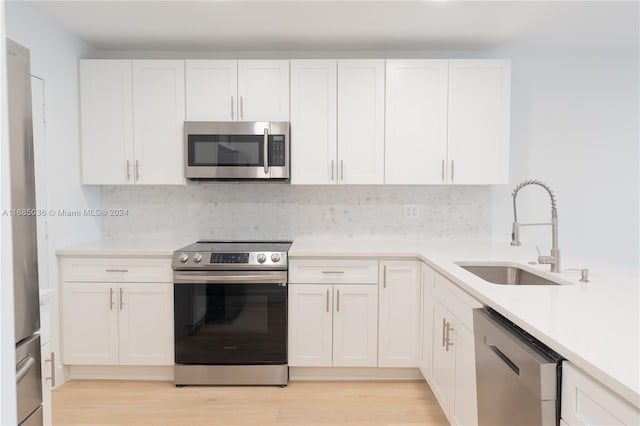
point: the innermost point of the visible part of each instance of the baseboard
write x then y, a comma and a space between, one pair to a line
352, 373
120, 372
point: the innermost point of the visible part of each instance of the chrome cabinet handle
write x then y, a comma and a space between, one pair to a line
384, 277
342, 170
338, 302
332, 177
327, 300
449, 342
266, 151
137, 170
232, 108
121, 299
128, 171
444, 325
116, 270
110, 299
442, 171
241, 108
51, 360
451, 171
333, 272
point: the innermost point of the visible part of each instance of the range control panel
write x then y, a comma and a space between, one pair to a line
229, 258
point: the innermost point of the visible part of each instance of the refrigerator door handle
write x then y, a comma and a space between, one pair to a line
23, 367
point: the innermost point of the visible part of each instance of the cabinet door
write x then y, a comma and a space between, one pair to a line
442, 374
146, 323
313, 121
426, 321
158, 110
416, 121
355, 326
465, 406
399, 314
211, 90
310, 325
46, 366
361, 121
263, 88
479, 106
90, 323
106, 122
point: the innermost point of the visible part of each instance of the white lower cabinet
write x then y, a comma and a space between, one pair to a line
448, 312
427, 275
47, 360
117, 323
333, 325
585, 401
399, 296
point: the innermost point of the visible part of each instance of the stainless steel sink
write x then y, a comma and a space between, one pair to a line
506, 274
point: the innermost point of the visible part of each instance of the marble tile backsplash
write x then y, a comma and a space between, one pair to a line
282, 211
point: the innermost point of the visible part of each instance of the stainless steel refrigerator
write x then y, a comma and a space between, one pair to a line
25, 254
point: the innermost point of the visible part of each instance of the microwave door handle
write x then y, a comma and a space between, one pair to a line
266, 151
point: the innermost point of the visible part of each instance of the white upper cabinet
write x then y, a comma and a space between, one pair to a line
231, 90
479, 111
132, 113
263, 90
361, 121
158, 111
314, 108
416, 121
447, 121
106, 102
211, 87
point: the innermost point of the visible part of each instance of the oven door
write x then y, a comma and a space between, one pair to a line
236, 150
230, 318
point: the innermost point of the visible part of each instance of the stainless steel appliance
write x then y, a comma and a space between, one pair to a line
518, 377
235, 150
230, 313
23, 227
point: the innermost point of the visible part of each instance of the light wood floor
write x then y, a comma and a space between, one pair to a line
301, 403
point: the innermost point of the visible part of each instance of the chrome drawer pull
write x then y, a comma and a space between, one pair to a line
116, 270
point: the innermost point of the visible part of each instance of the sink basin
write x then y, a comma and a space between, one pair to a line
506, 274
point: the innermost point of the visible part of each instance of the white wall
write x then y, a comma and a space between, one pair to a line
54, 58
575, 125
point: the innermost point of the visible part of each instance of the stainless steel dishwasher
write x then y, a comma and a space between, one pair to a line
518, 377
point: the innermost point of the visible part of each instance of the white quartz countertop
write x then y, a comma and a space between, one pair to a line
595, 325
123, 248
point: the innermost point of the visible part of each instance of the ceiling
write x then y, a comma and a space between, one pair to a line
347, 25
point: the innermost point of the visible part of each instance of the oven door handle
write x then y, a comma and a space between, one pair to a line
279, 278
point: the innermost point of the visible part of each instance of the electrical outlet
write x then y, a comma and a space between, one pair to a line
411, 211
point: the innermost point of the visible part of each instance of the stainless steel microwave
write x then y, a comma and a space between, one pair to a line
236, 150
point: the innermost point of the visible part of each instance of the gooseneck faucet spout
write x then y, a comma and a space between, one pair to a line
554, 259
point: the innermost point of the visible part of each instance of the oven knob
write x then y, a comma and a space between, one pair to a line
197, 258
275, 257
183, 257
262, 258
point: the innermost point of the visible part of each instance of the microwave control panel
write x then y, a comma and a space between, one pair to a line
276, 151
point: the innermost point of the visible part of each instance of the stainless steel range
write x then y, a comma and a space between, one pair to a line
230, 313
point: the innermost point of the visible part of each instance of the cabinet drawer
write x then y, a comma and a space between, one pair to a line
456, 300
585, 401
333, 271
117, 270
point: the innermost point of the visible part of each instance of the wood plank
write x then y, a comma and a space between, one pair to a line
301, 403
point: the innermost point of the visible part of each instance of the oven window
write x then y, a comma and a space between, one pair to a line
230, 324
226, 150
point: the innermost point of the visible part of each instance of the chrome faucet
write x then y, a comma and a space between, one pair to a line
554, 259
